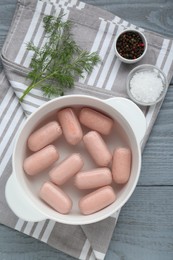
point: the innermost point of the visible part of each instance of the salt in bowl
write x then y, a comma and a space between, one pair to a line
146, 85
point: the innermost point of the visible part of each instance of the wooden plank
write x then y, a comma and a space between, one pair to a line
144, 231
152, 15
7, 9
145, 228
157, 157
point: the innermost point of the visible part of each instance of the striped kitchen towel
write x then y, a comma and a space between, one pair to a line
94, 29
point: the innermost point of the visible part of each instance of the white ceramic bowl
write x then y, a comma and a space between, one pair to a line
131, 61
22, 190
142, 69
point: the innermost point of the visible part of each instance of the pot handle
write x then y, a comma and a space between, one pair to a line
132, 113
19, 203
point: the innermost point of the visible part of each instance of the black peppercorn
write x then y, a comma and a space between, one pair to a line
130, 45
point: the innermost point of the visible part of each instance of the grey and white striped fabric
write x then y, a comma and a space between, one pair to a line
94, 29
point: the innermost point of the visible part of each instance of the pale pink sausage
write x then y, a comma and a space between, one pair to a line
44, 136
66, 169
95, 178
97, 148
70, 126
55, 197
40, 160
121, 165
97, 200
96, 120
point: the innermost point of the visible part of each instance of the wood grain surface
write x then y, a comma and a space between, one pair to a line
145, 226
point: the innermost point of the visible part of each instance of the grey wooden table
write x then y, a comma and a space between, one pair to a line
145, 226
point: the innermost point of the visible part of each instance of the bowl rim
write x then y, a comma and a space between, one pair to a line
130, 61
143, 67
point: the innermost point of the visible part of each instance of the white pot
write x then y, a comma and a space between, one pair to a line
22, 190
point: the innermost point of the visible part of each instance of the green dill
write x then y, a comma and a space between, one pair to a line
56, 65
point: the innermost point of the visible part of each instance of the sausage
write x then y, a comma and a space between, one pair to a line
66, 169
121, 165
55, 197
93, 179
97, 200
70, 126
96, 120
97, 148
44, 136
40, 160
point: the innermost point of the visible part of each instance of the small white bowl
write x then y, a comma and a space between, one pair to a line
146, 68
144, 40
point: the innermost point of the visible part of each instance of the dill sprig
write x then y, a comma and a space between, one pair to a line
57, 64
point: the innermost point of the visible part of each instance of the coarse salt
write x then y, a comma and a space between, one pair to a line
146, 86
